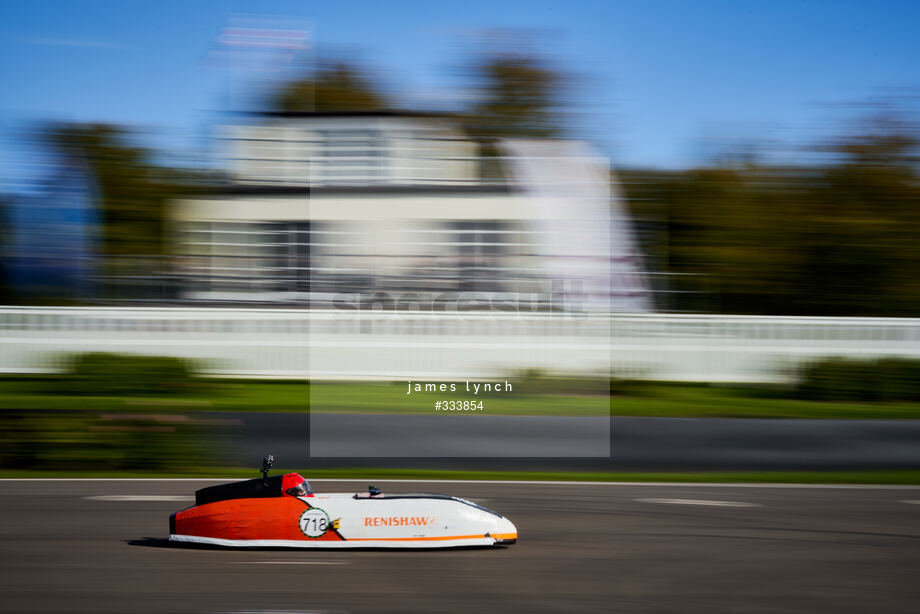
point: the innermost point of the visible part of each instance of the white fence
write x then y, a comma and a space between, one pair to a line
342, 344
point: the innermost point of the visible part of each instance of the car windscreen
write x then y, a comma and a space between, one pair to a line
301, 490
476, 505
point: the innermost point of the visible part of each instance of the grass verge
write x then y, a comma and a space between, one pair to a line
641, 399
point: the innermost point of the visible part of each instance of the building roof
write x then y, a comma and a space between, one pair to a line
346, 190
357, 113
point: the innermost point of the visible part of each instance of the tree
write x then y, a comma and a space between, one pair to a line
336, 86
132, 191
831, 239
860, 253
519, 96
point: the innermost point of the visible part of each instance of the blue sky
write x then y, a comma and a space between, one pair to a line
659, 83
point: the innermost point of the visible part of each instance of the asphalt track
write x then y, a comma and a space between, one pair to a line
606, 444
582, 548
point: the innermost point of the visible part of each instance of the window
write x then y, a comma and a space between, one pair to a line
351, 156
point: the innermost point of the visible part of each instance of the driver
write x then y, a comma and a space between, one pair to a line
295, 485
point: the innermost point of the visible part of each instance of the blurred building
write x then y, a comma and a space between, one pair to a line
353, 148
392, 207
52, 236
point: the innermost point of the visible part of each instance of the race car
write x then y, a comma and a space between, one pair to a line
283, 511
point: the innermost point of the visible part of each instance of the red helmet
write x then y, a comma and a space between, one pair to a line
295, 485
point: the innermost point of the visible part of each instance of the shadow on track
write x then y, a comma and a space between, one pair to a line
159, 542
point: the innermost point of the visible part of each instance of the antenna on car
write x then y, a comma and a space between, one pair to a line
267, 463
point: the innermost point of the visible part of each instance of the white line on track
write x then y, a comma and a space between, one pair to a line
530, 482
911, 501
699, 502
141, 498
291, 562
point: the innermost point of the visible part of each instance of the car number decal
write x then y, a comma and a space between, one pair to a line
314, 522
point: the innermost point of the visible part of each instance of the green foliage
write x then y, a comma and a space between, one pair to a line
85, 440
336, 86
536, 382
103, 374
869, 380
519, 96
87, 426
132, 192
833, 239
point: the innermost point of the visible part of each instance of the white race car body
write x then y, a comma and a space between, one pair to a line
347, 520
